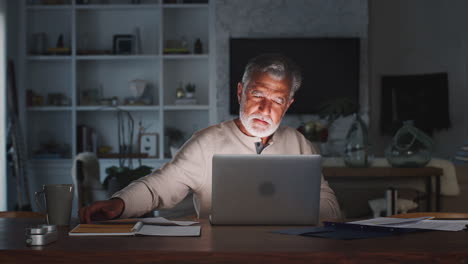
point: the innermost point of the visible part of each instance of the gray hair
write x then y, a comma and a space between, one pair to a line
278, 66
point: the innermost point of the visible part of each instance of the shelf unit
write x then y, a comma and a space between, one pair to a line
91, 71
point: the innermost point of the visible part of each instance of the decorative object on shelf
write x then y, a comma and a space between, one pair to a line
410, 147
104, 149
52, 150
60, 42
112, 101
138, 88
105, 101
184, 43
180, 92
190, 90
123, 44
34, 99
148, 144
58, 99
137, 49
39, 43
176, 46
356, 152
461, 157
185, 96
38, 100
89, 97
198, 47
60, 48
115, 101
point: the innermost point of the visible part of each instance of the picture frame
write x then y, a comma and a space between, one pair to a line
148, 144
123, 44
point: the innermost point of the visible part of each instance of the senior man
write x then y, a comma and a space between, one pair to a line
265, 94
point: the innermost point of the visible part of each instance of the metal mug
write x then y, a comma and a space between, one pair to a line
58, 201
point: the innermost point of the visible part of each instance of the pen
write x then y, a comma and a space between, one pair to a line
137, 227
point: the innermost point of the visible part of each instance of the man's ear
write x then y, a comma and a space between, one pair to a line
239, 91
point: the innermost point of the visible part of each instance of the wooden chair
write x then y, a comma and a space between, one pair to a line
436, 215
21, 214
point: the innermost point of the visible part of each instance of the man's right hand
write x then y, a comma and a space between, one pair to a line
102, 210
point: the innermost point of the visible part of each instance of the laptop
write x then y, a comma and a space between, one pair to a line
266, 189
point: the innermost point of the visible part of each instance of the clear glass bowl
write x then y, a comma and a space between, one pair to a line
410, 147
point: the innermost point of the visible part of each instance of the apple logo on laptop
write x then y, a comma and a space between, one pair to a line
267, 189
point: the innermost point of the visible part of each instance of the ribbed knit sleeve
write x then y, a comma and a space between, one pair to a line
167, 186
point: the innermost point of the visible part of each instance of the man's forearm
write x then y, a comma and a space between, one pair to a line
137, 200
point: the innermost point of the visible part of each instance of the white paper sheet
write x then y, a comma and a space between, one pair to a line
420, 223
389, 221
153, 230
164, 221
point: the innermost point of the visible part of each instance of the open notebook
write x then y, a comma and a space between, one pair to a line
132, 227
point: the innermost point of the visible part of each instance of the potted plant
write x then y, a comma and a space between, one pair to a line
333, 109
120, 176
318, 132
190, 90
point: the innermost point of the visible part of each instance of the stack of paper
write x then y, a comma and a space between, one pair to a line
419, 223
155, 226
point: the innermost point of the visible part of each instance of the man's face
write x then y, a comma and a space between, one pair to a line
263, 103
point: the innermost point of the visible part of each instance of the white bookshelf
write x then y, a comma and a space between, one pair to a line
92, 67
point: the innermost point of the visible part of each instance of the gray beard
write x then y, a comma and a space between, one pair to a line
246, 122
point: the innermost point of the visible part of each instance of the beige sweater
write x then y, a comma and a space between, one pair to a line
190, 169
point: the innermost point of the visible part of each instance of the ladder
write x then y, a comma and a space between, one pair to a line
17, 149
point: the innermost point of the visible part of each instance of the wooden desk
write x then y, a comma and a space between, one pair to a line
232, 244
426, 173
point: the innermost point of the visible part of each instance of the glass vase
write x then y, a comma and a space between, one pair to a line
410, 147
356, 152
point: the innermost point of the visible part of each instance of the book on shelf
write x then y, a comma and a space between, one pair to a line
87, 139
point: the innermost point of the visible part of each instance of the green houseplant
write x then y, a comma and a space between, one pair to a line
333, 109
316, 131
